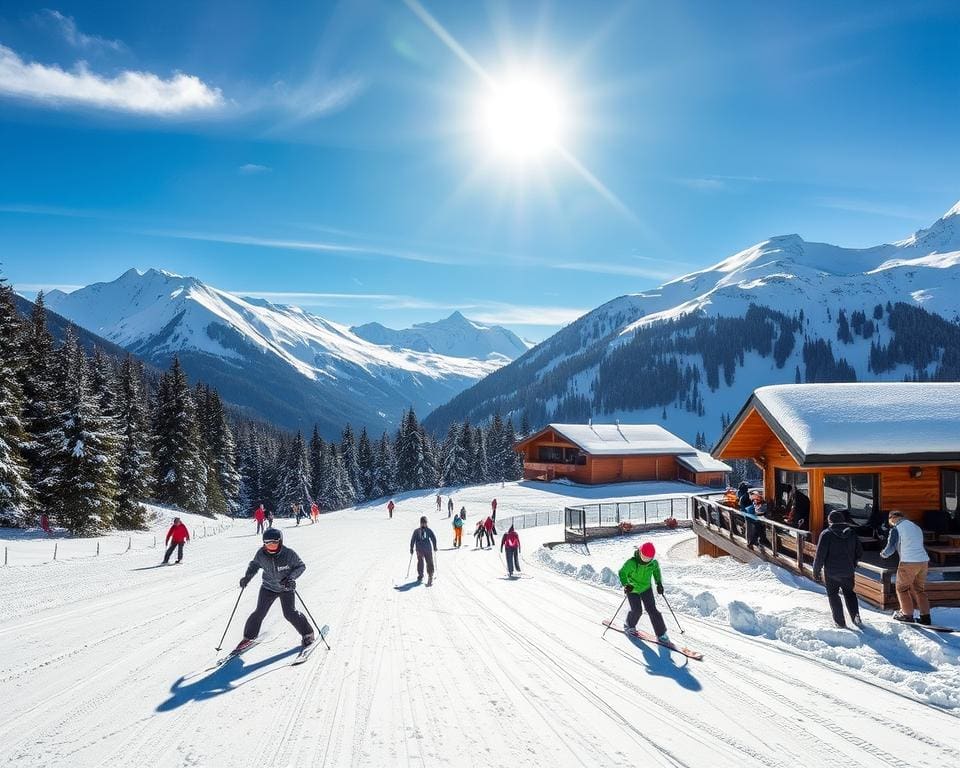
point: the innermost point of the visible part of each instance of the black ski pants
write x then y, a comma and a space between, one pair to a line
259, 526
834, 588
424, 558
179, 547
646, 600
287, 601
513, 560
489, 535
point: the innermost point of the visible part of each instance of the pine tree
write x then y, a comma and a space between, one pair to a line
348, 452
295, 482
385, 482
496, 449
40, 408
469, 448
365, 464
481, 468
317, 449
524, 426
180, 465
135, 460
341, 491
86, 487
16, 494
456, 469
512, 461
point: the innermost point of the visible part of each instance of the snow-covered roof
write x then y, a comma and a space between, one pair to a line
827, 423
621, 439
701, 461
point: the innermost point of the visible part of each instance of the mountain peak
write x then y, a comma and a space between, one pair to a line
955, 211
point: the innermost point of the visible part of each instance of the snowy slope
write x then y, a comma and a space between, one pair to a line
455, 336
247, 345
786, 274
102, 662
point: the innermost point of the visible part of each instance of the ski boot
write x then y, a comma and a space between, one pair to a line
901, 616
430, 581
628, 630
664, 638
242, 645
858, 621
308, 639
924, 619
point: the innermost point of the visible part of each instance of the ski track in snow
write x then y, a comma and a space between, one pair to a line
108, 668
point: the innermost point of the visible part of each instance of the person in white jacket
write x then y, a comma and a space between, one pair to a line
906, 539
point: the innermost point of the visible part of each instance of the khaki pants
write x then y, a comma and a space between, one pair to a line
912, 588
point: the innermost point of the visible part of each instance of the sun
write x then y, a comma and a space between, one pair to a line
522, 117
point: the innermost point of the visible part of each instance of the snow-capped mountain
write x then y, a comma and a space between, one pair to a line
688, 353
455, 336
291, 367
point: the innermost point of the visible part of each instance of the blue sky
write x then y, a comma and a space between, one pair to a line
330, 155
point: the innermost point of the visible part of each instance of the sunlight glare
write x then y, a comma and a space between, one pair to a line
522, 118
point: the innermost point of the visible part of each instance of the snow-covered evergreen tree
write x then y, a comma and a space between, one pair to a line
385, 476
481, 472
413, 471
180, 465
365, 462
348, 453
86, 483
317, 449
135, 463
513, 461
295, 481
16, 494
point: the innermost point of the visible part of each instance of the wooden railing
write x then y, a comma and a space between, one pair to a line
724, 521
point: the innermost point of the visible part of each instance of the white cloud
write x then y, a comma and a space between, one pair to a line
521, 314
617, 269
704, 185
71, 33
315, 298
250, 169
33, 288
137, 92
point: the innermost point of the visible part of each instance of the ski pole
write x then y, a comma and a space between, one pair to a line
312, 619
614, 615
220, 644
671, 611
409, 563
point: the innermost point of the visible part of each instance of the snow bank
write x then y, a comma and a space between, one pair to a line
770, 604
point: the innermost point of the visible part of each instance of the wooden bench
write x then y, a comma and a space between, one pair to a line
942, 552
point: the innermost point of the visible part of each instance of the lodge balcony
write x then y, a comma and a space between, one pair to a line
722, 530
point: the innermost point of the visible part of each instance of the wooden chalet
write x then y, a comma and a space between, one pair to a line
610, 453
864, 449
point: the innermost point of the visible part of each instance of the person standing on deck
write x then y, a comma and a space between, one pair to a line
838, 552
906, 539
637, 576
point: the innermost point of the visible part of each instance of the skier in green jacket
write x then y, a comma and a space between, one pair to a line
636, 576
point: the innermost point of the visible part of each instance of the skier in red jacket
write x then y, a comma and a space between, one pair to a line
176, 537
390, 507
493, 506
490, 528
260, 515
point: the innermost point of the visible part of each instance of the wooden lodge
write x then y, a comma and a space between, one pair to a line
610, 453
863, 449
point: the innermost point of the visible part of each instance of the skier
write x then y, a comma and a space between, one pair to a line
176, 537
463, 512
838, 552
297, 511
269, 519
45, 524
636, 576
259, 516
511, 541
314, 513
281, 568
449, 506
457, 531
422, 539
390, 506
493, 506
439, 501
478, 534
906, 538
490, 529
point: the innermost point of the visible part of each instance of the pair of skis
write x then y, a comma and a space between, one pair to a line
640, 634
300, 658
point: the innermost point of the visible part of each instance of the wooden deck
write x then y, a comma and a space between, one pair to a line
721, 531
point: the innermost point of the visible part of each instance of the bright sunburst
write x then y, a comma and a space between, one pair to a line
522, 117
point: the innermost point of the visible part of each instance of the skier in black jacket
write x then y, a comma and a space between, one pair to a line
838, 552
281, 568
422, 539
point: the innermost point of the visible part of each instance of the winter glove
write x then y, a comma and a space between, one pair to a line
627, 589
287, 583
244, 581
659, 589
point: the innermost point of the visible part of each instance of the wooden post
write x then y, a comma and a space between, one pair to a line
774, 541
98, 548
6, 553
801, 535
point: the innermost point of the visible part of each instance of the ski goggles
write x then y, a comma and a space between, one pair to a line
271, 546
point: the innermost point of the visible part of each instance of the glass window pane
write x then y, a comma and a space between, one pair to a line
949, 478
836, 492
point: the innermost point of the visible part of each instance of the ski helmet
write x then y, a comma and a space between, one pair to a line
272, 540
647, 551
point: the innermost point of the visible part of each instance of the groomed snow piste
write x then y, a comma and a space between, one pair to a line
102, 659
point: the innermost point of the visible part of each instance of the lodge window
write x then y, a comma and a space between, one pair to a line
552, 454
786, 480
856, 495
949, 495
